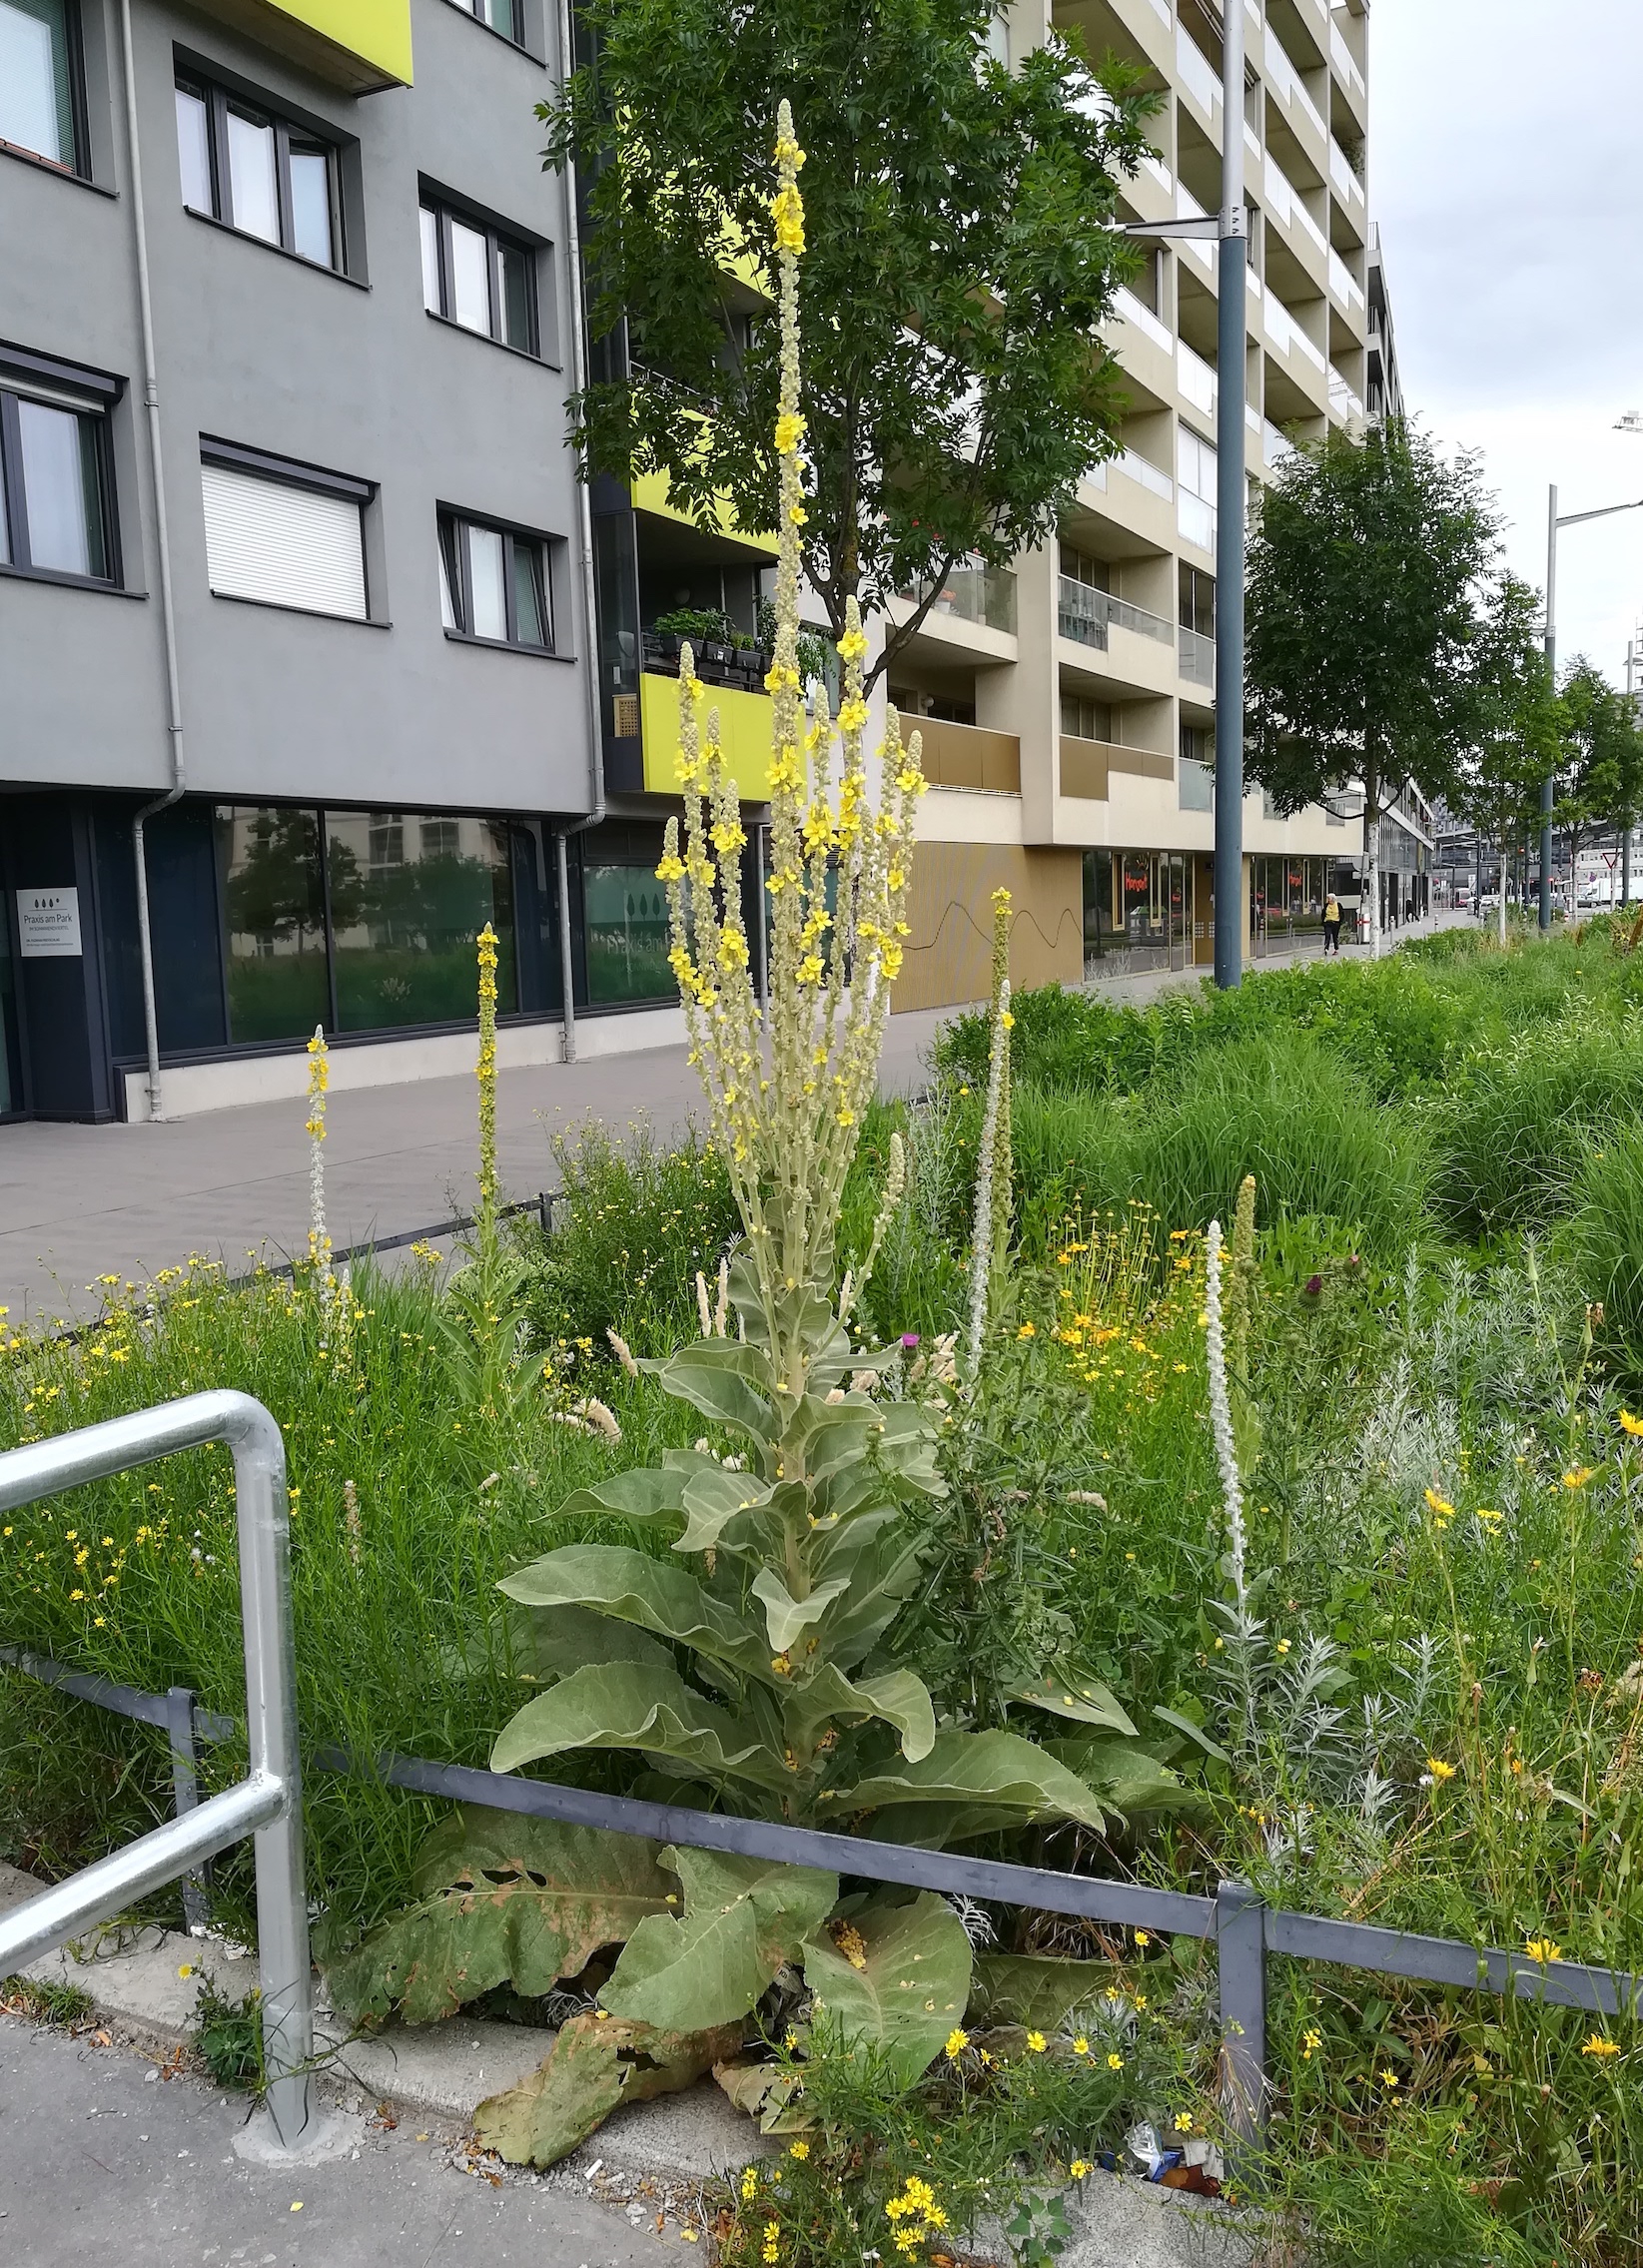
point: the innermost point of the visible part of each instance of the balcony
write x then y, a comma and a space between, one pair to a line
1283, 199
744, 734
976, 593
361, 49
1126, 304
1342, 397
1198, 659
1289, 337
741, 667
1346, 64
1086, 616
1348, 187
1085, 768
1198, 74
1195, 378
967, 755
1283, 76
1345, 286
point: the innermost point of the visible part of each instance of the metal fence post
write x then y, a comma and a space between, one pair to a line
1241, 1940
185, 1784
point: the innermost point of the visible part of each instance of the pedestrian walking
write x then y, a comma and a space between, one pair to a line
1331, 926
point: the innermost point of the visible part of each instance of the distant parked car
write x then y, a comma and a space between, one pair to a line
1462, 899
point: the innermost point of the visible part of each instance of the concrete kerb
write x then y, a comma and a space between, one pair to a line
667, 2150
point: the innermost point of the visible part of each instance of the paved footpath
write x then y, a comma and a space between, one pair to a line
81, 1201
103, 2165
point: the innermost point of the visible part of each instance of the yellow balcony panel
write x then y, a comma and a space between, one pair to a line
358, 45
744, 735
652, 495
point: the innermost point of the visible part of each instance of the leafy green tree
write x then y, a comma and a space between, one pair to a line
1517, 738
1366, 567
1600, 781
960, 261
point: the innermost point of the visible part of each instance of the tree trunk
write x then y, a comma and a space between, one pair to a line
1371, 848
1503, 889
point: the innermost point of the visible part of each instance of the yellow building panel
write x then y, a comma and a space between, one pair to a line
650, 495
744, 735
362, 45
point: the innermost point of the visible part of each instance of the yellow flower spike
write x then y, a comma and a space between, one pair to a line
790, 428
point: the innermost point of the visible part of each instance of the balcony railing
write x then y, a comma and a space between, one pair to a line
1196, 378
739, 667
1197, 521
1197, 657
1341, 396
1149, 475
1286, 79
1349, 185
1275, 446
967, 755
1132, 311
1284, 199
976, 593
1344, 282
1198, 77
1086, 615
1287, 334
1345, 62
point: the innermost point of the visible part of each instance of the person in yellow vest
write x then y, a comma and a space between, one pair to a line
1332, 924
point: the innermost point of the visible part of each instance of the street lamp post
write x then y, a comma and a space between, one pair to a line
1553, 523
1230, 228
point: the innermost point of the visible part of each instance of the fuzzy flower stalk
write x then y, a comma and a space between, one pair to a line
787, 1085
318, 1235
1004, 1164
985, 1233
485, 1072
1221, 1421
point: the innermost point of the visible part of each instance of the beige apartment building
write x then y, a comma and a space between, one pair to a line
1066, 708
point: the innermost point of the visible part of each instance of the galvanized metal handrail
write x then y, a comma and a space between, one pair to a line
266, 1804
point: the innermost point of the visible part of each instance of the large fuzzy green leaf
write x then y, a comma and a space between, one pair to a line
786, 1618
1127, 1776
1038, 1989
643, 1494
596, 2064
715, 1380
712, 1499
907, 1987
1069, 1693
615, 1580
743, 1920
501, 1899
626, 1705
551, 1642
898, 1698
997, 1770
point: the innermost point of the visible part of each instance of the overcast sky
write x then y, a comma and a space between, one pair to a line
1506, 172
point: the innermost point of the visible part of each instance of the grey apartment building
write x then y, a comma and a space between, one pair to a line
302, 277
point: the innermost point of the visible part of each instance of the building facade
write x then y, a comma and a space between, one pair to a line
356, 637
383, 670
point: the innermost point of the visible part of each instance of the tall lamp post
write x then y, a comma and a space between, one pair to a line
1230, 228
1553, 523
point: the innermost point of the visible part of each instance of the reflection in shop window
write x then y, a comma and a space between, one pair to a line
408, 896
626, 909
272, 892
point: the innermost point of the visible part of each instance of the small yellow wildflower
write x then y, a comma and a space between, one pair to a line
750, 2182
1599, 2046
957, 2042
1311, 2042
1543, 1950
1080, 2167
1439, 1770
799, 2151
1080, 2046
1035, 2043
1578, 1475
1114, 2062
1630, 1424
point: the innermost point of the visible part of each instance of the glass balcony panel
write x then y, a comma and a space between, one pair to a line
1347, 186
1197, 522
1200, 80
1126, 304
1344, 282
977, 594
1198, 659
1086, 615
1196, 378
1340, 55
1147, 474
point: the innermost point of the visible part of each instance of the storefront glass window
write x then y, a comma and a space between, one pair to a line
625, 911
409, 895
267, 858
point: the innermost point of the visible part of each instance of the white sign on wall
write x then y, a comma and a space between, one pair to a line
48, 925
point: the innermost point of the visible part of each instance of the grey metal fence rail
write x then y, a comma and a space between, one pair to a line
266, 1804
1244, 1927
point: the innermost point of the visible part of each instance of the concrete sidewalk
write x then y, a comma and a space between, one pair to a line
77, 1201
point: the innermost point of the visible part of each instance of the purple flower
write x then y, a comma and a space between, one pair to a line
910, 1339
1315, 1285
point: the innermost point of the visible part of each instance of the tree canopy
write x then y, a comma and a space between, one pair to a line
1368, 565
959, 258
1515, 739
1600, 778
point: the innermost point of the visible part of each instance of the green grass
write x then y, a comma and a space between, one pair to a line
1438, 1726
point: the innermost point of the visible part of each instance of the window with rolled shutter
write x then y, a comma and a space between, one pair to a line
286, 546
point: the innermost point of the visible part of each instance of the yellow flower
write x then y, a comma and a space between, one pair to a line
1142, 1938
800, 2150
957, 2042
1440, 1505
1035, 2043
1114, 2062
1543, 1950
1311, 2042
852, 647
1630, 1424
1027, 1331
1599, 2046
1080, 2046
1388, 2078
1078, 2168
1439, 1770
672, 868
787, 211
789, 433
1578, 1475
1184, 2122
750, 2182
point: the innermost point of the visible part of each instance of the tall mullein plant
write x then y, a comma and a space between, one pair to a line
995, 1165
786, 1086
319, 1234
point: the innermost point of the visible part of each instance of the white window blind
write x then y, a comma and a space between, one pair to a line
287, 546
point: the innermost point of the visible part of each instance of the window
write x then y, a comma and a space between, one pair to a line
56, 495
257, 173
476, 276
39, 81
505, 15
1084, 719
494, 585
408, 900
1197, 773
1196, 467
274, 916
284, 534
1197, 600
1078, 568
